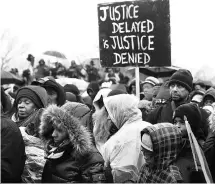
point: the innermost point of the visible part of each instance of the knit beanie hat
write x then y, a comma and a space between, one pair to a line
182, 77
193, 114
151, 80
36, 94
146, 142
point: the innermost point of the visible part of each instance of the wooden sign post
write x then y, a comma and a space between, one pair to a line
134, 33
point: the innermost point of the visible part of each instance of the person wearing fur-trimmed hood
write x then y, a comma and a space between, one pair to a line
69, 151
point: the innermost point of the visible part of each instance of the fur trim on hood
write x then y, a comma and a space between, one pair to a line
79, 136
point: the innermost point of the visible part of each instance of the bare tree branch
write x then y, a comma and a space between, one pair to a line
11, 49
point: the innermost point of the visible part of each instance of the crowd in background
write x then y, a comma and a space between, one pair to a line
53, 133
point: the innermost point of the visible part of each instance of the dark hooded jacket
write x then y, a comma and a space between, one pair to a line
93, 86
78, 161
209, 92
12, 152
73, 89
194, 117
61, 99
167, 142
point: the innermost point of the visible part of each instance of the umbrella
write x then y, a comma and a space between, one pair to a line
8, 78
55, 54
81, 84
157, 71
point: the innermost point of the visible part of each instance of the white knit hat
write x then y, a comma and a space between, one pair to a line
151, 80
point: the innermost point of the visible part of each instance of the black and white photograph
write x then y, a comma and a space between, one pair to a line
107, 91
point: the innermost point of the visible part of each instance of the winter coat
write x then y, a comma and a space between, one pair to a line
185, 162
161, 114
41, 71
209, 150
12, 152
35, 161
166, 142
74, 160
122, 151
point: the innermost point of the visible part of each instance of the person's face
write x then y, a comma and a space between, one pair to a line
180, 123
25, 107
178, 92
148, 91
110, 71
208, 100
133, 89
199, 87
148, 156
59, 135
52, 96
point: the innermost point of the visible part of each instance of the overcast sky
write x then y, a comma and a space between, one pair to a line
71, 27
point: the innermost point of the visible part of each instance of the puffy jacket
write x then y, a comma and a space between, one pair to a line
80, 162
12, 152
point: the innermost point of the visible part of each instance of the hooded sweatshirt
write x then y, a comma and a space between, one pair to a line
122, 151
61, 99
74, 160
194, 117
94, 86
209, 92
74, 89
98, 100
167, 141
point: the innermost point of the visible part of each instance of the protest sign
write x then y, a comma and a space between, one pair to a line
134, 33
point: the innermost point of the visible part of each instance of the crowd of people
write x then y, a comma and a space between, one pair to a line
52, 133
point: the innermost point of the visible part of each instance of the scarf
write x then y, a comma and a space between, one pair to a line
54, 151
